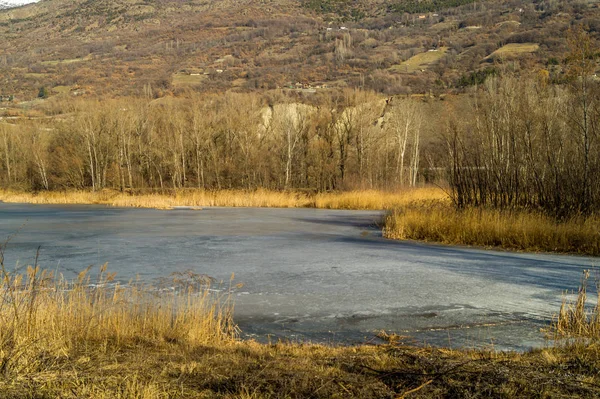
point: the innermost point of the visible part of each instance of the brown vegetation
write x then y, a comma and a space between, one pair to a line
522, 173
578, 321
528, 159
516, 230
364, 199
523, 170
236, 141
532, 145
371, 199
158, 48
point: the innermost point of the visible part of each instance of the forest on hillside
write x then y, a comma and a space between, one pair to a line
514, 142
497, 101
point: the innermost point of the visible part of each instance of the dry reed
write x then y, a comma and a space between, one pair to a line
103, 340
373, 199
576, 318
232, 198
518, 230
44, 318
368, 199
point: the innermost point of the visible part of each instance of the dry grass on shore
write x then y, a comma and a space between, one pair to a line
83, 340
519, 230
232, 198
577, 320
367, 199
373, 199
42, 313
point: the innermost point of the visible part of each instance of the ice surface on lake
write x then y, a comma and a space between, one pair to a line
322, 275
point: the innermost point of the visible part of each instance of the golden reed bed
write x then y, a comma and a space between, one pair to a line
367, 199
517, 230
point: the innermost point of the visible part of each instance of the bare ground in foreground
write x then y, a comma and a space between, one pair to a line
250, 370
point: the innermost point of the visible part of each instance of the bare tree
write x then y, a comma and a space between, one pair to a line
405, 123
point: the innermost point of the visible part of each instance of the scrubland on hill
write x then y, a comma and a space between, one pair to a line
494, 101
169, 47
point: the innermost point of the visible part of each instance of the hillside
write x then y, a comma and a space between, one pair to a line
156, 47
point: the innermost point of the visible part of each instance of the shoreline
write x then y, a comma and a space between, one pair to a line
349, 200
422, 214
142, 349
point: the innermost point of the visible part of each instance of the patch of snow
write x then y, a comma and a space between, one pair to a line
15, 3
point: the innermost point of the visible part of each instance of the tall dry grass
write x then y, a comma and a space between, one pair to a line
576, 318
232, 198
518, 230
130, 349
45, 319
368, 199
374, 199
93, 338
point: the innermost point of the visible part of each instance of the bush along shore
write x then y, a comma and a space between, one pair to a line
94, 338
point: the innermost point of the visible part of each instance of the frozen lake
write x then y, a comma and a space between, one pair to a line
319, 275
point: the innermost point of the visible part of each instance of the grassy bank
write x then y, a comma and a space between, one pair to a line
102, 340
519, 230
251, 370
366, 199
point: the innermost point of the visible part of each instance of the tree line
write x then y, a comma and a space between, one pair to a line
519, 143
353, 139
530, 144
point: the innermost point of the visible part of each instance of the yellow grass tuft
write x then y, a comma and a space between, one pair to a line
576, 319
372, 199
